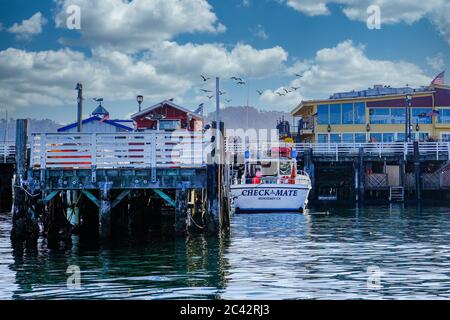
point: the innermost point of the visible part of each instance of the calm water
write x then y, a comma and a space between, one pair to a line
318, 255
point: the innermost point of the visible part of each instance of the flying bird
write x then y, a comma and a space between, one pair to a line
236, 78
205, 91
222, 92
298, 75
210, 97
240, 82
286, 90
295, 88
204, 78
280, 94
259, 92
171, 99
228, 100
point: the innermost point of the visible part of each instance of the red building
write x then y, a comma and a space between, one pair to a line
168, 116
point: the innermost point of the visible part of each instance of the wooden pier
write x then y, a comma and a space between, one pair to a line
117, 181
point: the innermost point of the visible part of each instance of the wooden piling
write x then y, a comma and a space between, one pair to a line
105, 210
25, 227
361, 176
417, 172
181, 211
212, 218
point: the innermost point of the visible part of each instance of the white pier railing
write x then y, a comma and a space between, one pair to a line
116, 151
7, 151
436, 150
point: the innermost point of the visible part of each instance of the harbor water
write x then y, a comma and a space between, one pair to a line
383, 252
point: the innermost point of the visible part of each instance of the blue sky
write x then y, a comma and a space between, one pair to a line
159, 48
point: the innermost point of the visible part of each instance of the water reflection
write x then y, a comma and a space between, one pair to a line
322, 254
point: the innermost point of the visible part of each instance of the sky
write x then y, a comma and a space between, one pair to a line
160, 48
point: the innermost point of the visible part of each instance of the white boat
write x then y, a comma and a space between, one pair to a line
271, 185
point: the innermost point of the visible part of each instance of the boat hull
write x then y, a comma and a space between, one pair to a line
270, 197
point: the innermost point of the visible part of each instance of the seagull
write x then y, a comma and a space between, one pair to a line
241, 82
259, 92
205, 91
171, 99
295, 88
298, 75
210, 97
236, 78
287, 91
228, 100
222, 92
280, 94
204, 78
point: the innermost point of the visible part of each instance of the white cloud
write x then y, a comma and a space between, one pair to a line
29, 27
392, 11
215, 59
170, 70
134, 25
260, 32
49, 77
346, 67
436, 62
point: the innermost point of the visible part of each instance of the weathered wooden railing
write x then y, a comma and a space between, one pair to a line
7, 152
434, 150
117, 151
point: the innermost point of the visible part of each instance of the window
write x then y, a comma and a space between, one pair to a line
400, 137
323, 116
335, 138
419, 115
360, 137
444, 115
322, 138
376, 137
359, 110
388, 137
445, 136
398, 116
347, 113
379, 115
169, 124
348, 137
335, 114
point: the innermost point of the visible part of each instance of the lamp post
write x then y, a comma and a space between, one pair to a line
408, 100
139, 99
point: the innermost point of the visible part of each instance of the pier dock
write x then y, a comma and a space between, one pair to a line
129, 179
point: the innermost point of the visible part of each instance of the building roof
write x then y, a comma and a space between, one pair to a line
162, 103
115, 123
100, 111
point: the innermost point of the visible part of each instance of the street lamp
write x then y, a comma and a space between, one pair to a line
139, 99
408, 100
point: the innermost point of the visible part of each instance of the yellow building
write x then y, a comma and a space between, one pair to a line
376, 115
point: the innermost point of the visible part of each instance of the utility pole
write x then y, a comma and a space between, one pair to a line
79, 88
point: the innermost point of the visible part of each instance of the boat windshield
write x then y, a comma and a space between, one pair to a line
285, 168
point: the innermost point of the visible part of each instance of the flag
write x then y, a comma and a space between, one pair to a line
105, 117
439, 78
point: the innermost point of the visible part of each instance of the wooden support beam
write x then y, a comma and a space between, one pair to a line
119, 198
105, 210
417, 172
50, 196
361, 176
181, 211
92, 198
165, 197
25, 227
